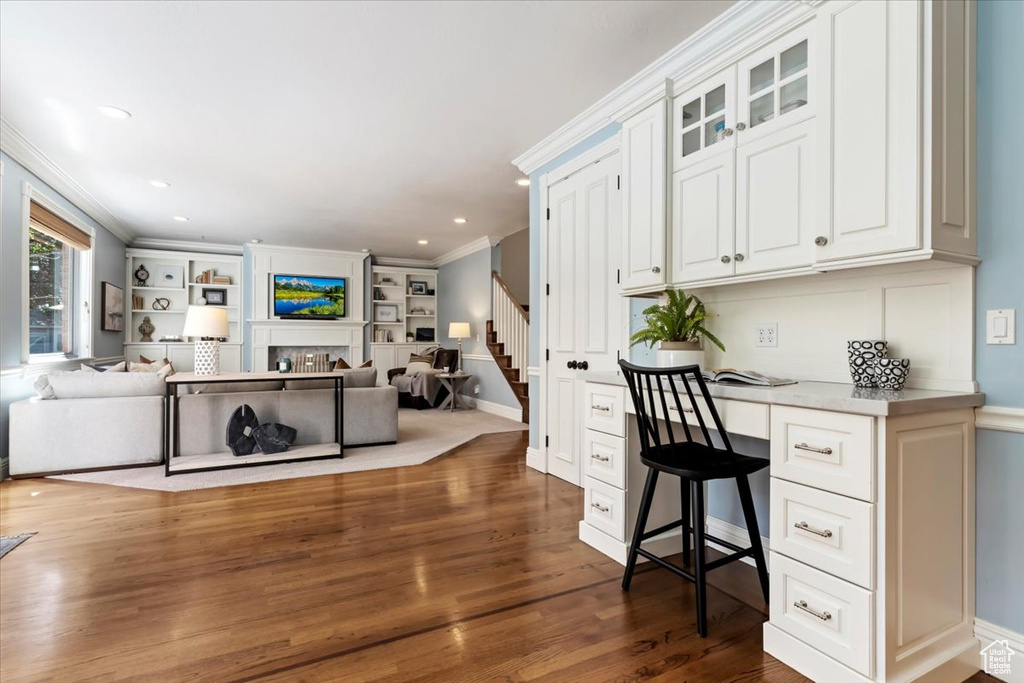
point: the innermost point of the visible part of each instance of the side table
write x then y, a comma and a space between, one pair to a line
453, 382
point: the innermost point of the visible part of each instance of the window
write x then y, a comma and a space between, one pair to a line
59, 282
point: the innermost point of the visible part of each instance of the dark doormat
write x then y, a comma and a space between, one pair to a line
9, 543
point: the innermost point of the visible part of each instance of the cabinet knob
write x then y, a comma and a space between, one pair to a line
728, 132
739, 257
655, 269
726, 259
741, 126
821, 240
571, 365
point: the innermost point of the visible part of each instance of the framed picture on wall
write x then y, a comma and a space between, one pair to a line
172, 277
215, 297
418, 287
387, 313
112, 308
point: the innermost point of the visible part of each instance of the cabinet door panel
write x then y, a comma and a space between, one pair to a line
644, 210
183, 357
777, 86
383, 358
867, 156
700, 118
703, 225
775, 181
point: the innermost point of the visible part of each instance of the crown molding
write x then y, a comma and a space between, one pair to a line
183, 245
396, 262
309, 251
19, 148
476, 245
710, 48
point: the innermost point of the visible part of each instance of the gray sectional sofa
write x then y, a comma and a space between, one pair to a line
87, 425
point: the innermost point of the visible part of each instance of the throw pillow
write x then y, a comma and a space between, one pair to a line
367, 364
43, 388
162, 367
342, 365
428, 359
415, 367
117, 367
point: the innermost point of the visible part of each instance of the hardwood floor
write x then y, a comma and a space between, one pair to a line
464, 569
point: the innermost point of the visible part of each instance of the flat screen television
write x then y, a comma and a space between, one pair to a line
303, 296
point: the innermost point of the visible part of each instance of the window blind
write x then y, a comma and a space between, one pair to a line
49, 223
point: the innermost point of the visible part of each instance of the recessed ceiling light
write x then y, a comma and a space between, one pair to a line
160, 183
181, 219
423, 242
523, 182
460, 220
114, 112
257, 240
366, 251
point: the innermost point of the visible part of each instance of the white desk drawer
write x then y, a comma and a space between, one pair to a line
827, 613
605, 508
829, 532
604, 458
738, 417
605, 408
830, 451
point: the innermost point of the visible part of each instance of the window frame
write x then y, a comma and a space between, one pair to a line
82, 315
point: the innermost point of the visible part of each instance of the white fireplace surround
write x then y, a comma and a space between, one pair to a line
268, 331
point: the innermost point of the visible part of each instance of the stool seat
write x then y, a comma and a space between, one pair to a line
698, 462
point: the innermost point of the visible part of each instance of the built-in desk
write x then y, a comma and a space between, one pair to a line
871, 547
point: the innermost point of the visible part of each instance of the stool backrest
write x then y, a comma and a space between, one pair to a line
653, 387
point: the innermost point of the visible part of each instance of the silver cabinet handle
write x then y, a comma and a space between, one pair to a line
741, 126
601, 508
804, 526
802, 604
726, 259
821, 240
739, 257
605, 458
728, 132
655, 269
603, 409
685, 410
814, 449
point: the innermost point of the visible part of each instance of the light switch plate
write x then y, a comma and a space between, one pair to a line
1001, 326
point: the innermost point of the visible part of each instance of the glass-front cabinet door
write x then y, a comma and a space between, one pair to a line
703, 120
776, 86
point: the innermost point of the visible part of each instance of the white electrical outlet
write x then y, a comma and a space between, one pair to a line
476, 389
767, 335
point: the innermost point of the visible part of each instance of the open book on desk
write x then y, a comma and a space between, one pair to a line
728, 375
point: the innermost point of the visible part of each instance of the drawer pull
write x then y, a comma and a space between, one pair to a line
603, 409
602, 508
814, 449
685, 410
605, 458
804, 526
802, 604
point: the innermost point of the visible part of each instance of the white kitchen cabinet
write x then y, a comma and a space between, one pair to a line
896, 150
703, 227
704, 119
775, 193
644, 146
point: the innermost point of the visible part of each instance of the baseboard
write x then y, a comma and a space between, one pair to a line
734, 534
999, 418
988, 633
515, 414
535, 460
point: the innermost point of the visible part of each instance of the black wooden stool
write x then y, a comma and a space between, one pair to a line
694, 463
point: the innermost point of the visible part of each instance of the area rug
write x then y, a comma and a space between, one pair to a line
9, 543
422, 436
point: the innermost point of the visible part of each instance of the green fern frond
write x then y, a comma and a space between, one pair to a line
680, 319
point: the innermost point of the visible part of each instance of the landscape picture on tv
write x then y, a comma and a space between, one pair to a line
316, 297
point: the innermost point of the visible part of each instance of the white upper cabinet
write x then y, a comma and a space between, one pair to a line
777, 86
644, 145
703, 229
704, 120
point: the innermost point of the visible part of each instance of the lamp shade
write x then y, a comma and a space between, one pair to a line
206, 321
458, 331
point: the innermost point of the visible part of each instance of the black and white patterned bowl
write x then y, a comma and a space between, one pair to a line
892, 373
862, 354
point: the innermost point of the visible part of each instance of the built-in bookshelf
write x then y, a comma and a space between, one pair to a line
404, 305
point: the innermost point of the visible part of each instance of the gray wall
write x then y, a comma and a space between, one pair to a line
464, 288
108, 265
515, 264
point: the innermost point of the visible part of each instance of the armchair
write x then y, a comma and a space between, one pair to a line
429, 393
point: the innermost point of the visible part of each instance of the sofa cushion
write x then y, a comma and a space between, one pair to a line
104, 384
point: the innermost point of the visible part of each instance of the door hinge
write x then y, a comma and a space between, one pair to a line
547, 354
549, 214
618, 276
549, 289
547, 441
618, 182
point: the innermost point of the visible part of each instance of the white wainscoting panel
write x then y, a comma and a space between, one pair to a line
925, 311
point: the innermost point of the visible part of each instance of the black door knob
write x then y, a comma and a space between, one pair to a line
571, 365
584, 365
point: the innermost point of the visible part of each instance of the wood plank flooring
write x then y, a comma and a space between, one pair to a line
464, 569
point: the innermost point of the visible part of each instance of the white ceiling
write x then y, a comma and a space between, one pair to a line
342, 125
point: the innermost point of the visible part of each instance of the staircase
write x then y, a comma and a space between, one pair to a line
508, 338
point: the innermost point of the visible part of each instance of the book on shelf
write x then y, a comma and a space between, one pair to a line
733, 375
222, 279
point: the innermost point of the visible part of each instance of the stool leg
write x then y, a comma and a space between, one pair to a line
700, 573
747, 502
684, 495
641, 524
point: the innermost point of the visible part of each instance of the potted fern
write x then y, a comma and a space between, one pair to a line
677, 326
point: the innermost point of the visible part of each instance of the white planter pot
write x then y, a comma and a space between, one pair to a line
674, 354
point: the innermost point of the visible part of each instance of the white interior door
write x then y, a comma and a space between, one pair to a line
584, 309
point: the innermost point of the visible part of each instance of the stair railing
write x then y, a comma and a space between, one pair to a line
511, 324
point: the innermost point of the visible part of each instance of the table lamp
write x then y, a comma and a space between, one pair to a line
207, 323
459, 331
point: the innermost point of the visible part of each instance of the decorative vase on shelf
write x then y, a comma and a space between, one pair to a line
674, 354
146, 329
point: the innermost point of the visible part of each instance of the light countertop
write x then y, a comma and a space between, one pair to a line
843, 398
